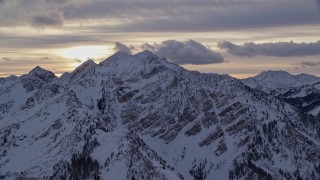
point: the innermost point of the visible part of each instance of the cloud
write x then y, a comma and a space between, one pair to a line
187, 52
278, 49
6, 59
306, 64
45, 59
57, 1
160, 16
188, 15
63, 39
51, 20
34, 13
122, 47
77, 60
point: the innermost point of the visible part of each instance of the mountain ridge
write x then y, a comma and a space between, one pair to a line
302, 90
139, 116
279, 81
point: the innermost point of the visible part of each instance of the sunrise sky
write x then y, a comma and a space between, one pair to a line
236, 37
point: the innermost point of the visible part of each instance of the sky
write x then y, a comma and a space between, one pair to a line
236, 37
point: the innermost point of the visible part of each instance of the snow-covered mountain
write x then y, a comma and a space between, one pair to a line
141, 117
306, 98
301, 91
279, 81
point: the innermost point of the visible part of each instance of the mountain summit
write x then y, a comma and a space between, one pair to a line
41, 73
141, 117
82, 70
301, 91
279, 81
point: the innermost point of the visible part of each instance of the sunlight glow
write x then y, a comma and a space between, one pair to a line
84, 52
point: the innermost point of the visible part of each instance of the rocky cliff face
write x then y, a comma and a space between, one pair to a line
139, 116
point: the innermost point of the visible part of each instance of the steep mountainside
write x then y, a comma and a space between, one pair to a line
141, 117
306, 98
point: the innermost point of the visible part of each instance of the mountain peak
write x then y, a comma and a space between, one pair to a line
279, 80
64, 76
116, 56
307, 75
276, 73
37, 69
83, 69
270, 74
12, 77
119, 54
146, 54
121, 57
87, 63
280, 74
41, 73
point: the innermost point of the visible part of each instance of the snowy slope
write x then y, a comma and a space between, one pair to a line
302, 91
15, 91
82, 70
306, 98
279, 81
139, 116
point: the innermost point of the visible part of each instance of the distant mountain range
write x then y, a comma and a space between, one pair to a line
301, 91
279, 81
141, 117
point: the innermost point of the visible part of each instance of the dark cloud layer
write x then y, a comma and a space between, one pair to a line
57, 1
187, 52
165, 15
278, 49
52, 20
